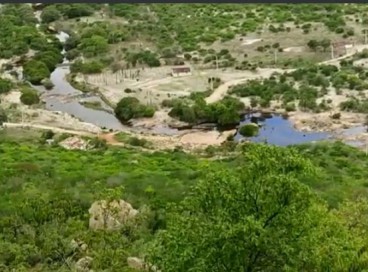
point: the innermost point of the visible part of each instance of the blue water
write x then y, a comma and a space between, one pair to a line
279, 131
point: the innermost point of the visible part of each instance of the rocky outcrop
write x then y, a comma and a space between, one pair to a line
110, 215
84, 264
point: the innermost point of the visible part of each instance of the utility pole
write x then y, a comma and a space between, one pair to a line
332, 51
275, 55
216, 63
365, 36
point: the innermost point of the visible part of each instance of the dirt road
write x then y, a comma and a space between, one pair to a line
221, 91
109, 137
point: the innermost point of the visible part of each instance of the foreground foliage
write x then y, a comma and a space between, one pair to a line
260, 218
253, 211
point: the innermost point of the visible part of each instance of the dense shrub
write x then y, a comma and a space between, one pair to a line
35, 71
130, 107
249, 130
87, 67
29, 96
50, 14
5, 86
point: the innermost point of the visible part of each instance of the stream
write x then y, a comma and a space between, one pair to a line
65, 98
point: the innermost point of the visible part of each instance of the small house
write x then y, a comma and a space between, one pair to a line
180, 71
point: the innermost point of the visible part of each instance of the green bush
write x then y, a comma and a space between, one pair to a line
47, 83
5, 86
88, 67
35, 71
50, 14
48, 134
134, 141
29, 96
249, 130
130, 107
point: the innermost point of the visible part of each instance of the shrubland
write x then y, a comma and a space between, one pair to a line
187, 205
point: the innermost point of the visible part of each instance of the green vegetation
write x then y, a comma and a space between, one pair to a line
306, 85
249, 130
29, 96
256, 218
241, 207
5, 86
246, 204
133, 141
342, 172
225, 112
126, 31
35, 71
89, 67
47, 83
129, 107
3, 116
48, 190
50, 14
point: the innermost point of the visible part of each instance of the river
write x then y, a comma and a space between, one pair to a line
64, 97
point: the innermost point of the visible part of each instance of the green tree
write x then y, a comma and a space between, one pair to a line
254, 218
94, 46
313, 44
29, 96
249, 130
129, 107
34, 71
5, 85
50, 14
353, 214
325, 43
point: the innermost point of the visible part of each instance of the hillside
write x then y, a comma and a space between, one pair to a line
183, 137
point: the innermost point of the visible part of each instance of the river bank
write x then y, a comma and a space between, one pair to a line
65, 103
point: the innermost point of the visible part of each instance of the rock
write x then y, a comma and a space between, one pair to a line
74, 244
78, 245
84, 264
139, 264
83, 247
74, 143
136, 263
110, 216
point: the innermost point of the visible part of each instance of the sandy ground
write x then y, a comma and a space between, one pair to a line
64, 123
155, 85
29, 115
323, 122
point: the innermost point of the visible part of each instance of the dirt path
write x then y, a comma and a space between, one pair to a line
42, 127
109, 137
222, 90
